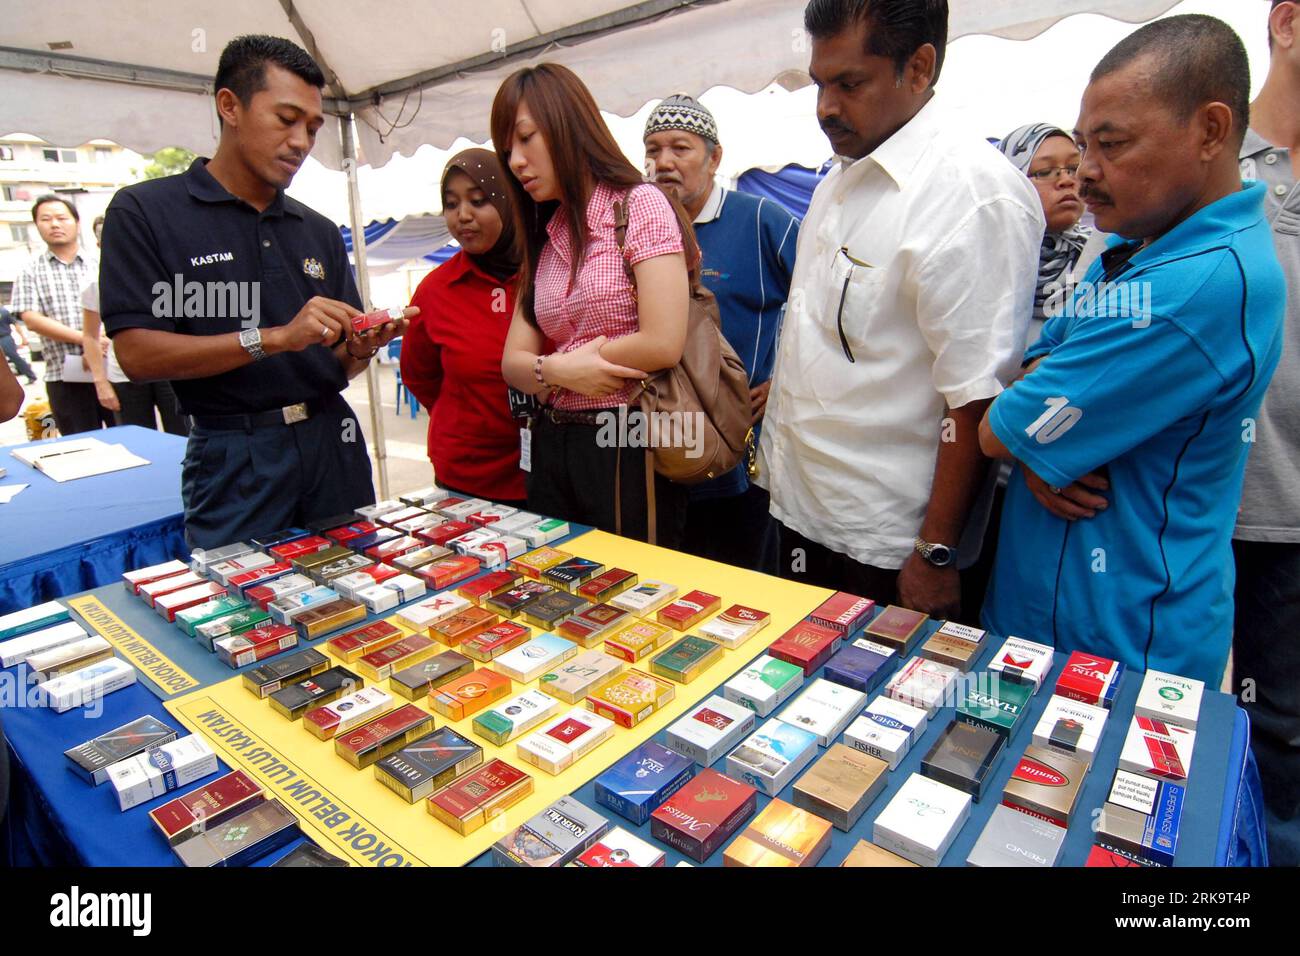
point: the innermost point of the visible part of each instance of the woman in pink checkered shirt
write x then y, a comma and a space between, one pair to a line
584, 334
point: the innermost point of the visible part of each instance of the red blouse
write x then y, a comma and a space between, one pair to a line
451, 362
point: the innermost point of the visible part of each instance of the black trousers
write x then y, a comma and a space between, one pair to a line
1266, 675
76, 408
10, 349
573, 478
736, 530
808, 562
140, 399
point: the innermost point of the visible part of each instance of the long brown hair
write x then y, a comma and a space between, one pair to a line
583, 154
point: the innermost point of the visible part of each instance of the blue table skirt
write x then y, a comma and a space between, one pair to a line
60, 539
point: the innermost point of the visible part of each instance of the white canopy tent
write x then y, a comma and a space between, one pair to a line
410, 72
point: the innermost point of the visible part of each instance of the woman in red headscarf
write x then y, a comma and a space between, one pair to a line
451, 356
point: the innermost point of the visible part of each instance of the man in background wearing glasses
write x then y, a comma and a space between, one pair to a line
913, 286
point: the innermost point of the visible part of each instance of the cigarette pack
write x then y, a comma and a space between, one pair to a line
564, 740
634, 641
887, 729
168, 605
514, 717
312, 564
255, 644
377, 598
86, 685
266, 679
37, 618
868, 854
308, 854
1045, 784
646, 598
843, 612
703, 814
1142, 817
497, 552
1016, 839
366, 541
630, 697
342, 715
242, 839
161, 769
219, 606
531, 660
781, 835
898, 627
474, 798
461, 510
618, 848
426, 497
152, 591
428, 764
460, 627
772, 756
735, 625
1158, 750
440, 534
863, 665
350, 532
18, 649
223, 571
474, 538
201, 559
764, 685
491, 643
379, 508
372, 637
490, 515
352, 584
688, 610
373, 320
955, 645
381, 664
287, 609
366, 745
511, 602
431, 610
686, 659
351, 564
514, 522
921, 820
994, 704
548, 610
964, 757
607, 585
710, 729
402, 515
394, 548
806, 644
488, 586
1071, 728
1023, 661
1100, 856
68, 658
445, 572
91, 760
537, 562
573, 573
206, 807
426, 554
1172, 699
574, 679
318, 621
300, 547
925, 684
407, 587
591, 626
294, 700
841, 785
824, 708
544, 532
418, 680
1090, 679
642, 780
264, 594
206, 634
265, 541
467, 695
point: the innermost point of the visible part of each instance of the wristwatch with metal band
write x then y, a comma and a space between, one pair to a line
251, 340
939, 555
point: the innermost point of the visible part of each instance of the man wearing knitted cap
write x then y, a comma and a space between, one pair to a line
748, 245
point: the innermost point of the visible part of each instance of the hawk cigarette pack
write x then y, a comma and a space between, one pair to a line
994, 704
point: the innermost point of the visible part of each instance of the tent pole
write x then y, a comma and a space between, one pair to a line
379, 448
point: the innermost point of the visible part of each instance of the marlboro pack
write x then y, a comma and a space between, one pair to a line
255, 644
1023, 661
843, 612
428, 764
806, 645
366, 745
263, 595
1158, 750
394, 549
1090, 679
440, 534
688, 610
1169, 698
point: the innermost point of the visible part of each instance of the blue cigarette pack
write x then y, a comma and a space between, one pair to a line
863, 665
636, 785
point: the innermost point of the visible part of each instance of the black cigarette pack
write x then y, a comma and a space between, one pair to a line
430, 763
266, 679
294, 700
91, 760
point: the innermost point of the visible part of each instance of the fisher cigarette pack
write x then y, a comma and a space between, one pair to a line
887, 729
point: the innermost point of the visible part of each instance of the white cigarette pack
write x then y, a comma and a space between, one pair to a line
825, 708
922, 820
1023, 661
87, 685
1168, 697
159, 770
710, 729
223, 571
561, 742
887, 730
133, 579
202, 559
1071, 727
18, 649
433, 609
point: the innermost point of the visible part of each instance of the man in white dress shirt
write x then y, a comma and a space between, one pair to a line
912, 292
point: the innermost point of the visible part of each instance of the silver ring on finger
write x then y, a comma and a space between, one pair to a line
1054, 490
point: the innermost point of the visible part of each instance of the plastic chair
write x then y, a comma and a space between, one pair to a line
394, 356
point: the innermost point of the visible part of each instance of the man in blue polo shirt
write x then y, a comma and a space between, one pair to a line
243, 298
1130, 428
748, 246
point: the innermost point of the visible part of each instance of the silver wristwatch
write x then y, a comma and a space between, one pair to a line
251, 340
939, 555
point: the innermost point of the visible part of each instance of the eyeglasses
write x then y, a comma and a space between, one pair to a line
844, 292
1054, 173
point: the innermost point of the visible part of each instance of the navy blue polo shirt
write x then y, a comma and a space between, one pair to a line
181, 254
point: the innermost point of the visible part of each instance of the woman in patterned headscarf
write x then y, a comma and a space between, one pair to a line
1048, 156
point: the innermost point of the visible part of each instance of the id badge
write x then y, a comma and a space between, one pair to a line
526, 449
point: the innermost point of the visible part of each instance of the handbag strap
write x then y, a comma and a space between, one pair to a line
620, 236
